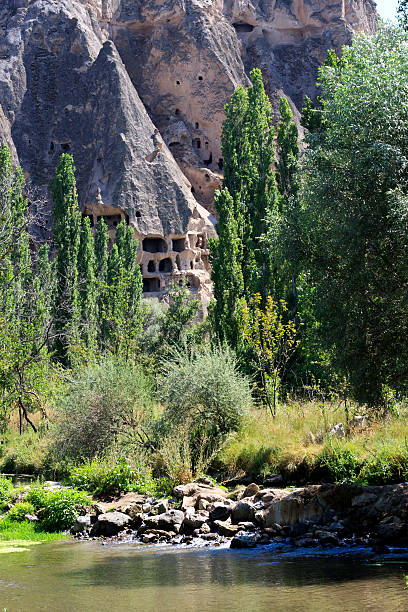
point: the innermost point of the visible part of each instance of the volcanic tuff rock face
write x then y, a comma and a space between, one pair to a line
72, 71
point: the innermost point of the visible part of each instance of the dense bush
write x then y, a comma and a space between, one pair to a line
106, 477
205, 392
6, 491
19, 510
103, 407
57, 508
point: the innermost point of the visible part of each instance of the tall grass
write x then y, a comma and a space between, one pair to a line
297, 444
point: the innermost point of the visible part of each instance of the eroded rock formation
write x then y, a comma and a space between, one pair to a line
72, 71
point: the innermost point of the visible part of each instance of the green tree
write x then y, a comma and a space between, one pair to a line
66, 230
226, 272
101, 250
241, 260
248, 148
87, 285
122, 297
354, 213
25, 302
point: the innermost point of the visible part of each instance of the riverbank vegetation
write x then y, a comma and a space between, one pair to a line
300, 368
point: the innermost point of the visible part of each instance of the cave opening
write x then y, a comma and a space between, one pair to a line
151, 266
179, 244
166, 265
154, 245
243, 27
208, 162
151, 285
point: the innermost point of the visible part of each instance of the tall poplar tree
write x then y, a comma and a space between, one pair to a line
87, 285
248, 149
226, 273
67, 224
241, 260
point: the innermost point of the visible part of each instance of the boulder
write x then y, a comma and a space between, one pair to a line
81, 523
194, 520
110, 524
200, 489
160, 507
31, 518
220, 511
225, 528
250, 490
273, 480
244, 541
292, 507
326, 537
243, 512
168, 521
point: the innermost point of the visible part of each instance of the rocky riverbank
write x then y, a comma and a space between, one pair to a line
201, 513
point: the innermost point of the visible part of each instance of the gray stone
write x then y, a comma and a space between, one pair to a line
81, 523
110, 524
194, 520
220, 511
250, 490
225, 528
31, 518
168, 521
338, 431
243, 512
244, 541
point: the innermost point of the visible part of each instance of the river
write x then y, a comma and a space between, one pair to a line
89, 577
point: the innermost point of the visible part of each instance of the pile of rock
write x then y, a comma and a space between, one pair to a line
324, 515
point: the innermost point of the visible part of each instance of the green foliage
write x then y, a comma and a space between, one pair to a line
338, 464
87, 285
354, 215
110, 477
66, 230
121, 294
226, 272
57, 508
6, 491
104, 407
25, 531
272, 341
241, 264
176, 325
205, 393
19, 510
25, 303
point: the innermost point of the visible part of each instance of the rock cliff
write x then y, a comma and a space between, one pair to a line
135, 90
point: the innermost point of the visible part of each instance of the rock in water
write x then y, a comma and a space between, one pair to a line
110, 524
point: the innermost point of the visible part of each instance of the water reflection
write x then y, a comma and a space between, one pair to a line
89, 577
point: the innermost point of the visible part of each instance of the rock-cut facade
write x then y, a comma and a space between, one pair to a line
135, 91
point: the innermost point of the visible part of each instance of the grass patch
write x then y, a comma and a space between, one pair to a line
27, 532
297, 445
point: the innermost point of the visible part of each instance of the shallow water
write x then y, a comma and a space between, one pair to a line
89, 577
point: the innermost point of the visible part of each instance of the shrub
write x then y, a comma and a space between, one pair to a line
57, 508
109, 477
207, 391
339, 464
6, 491
19, 510
103, 407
